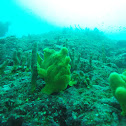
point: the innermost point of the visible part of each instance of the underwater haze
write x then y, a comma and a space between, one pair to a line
62, 62
22, 21
38, 16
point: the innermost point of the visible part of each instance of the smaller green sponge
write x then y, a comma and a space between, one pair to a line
118, 86
121, 97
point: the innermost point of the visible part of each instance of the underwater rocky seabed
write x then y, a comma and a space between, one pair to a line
88, 102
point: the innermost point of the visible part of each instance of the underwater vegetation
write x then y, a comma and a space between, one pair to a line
67, 77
